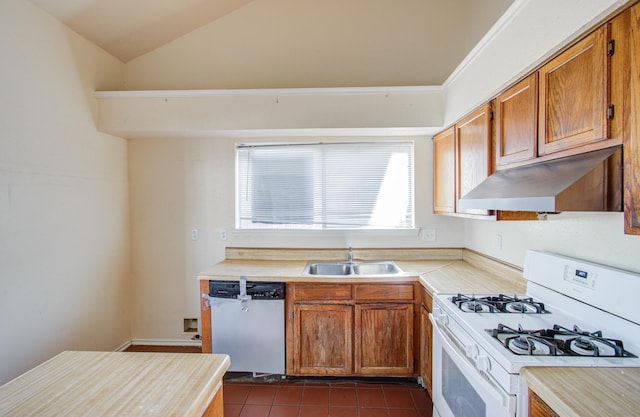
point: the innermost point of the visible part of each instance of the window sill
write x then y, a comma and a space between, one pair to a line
325, 233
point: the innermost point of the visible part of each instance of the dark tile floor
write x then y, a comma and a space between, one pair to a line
322, 399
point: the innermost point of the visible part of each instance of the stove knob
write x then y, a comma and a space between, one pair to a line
482, 363
471, 351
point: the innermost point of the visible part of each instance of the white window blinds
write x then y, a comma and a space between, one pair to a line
356, 185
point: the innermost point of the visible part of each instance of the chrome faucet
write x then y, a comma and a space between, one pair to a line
350, 255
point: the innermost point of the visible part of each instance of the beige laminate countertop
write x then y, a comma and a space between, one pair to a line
291, 271
116, 384
587, 392
464, 277
457, 271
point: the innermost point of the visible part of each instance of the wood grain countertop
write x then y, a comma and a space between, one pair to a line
438, 270
287, 265
116, 384
586, 392
469, 278
291, 271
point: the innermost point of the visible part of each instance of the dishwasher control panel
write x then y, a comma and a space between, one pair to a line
257, 290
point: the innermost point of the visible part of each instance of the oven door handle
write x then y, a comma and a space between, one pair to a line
456, 347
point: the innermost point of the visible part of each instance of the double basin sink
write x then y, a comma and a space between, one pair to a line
353, 269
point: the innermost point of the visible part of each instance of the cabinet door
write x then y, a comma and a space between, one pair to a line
426, 334
573, 96
473, 135
323, 339
516, 122
538, 408
384, 339
632, 137
444, 157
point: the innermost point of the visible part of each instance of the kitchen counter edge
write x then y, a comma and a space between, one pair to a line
616, 393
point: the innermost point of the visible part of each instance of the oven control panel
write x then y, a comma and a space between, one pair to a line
580, 276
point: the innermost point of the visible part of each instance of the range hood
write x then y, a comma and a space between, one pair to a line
586, 182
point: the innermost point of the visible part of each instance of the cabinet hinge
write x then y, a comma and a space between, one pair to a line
611, 47
610, 111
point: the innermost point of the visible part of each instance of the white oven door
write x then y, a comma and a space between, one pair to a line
459, 390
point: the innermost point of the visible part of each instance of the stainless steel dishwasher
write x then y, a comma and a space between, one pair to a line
247, 323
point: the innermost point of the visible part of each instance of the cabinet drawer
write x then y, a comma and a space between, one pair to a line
322, 292
384, 292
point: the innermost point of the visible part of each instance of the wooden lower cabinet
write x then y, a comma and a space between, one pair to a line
426, 338
344, 329
216, 406
322, 342
538, 408
384, 339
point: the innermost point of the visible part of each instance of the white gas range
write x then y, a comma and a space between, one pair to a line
575, 313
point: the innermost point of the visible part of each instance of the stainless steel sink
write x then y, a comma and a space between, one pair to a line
376, 268
341, 269
327, 269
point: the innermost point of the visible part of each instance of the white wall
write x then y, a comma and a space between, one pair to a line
311, 43
529, 32
64, 235
597, 237
183, 184
532, 30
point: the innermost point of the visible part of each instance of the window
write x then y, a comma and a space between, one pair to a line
355, 185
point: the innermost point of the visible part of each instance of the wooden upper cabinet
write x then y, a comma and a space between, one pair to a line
384, 339
574, 95
516, 123
323, 339
444, 168
474, 164
632, 130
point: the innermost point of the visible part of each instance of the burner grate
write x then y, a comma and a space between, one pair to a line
498, 304
558, 341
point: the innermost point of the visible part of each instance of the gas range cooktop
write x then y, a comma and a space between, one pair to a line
498, 303
558, 341
572, 314
554, 341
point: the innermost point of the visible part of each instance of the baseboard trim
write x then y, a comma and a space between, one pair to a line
165, 342
123, 346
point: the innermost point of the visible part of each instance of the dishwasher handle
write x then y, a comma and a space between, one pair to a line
257, 290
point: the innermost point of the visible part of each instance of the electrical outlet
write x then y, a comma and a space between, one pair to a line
499, 242
194, 234
223, 234
429, 235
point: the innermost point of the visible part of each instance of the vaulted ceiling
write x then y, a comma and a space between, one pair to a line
425, 39
130, 28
